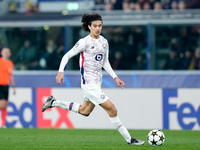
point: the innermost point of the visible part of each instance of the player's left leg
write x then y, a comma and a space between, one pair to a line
110, 108
3, 108
84, 109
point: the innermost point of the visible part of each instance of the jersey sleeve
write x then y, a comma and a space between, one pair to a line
107, 65
78, 47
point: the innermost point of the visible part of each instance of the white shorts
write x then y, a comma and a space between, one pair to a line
94, 93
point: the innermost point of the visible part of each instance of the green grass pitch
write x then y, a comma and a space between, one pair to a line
79, 139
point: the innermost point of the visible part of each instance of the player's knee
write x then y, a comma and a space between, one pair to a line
3, 105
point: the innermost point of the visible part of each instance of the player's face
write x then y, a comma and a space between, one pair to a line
6, 53
95, 29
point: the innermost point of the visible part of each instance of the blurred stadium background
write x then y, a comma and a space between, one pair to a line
154, 48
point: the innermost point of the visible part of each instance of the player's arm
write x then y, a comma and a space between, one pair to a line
109, 69
12, 82
78, 47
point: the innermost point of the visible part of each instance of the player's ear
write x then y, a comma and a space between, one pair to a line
89, 27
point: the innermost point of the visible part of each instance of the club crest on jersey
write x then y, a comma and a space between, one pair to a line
99, 57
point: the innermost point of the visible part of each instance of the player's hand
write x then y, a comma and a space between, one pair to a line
119, 82
14, 90
60, 78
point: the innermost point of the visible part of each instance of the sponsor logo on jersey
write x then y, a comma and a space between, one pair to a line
99, 57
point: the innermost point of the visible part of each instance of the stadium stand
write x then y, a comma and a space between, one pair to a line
150, 31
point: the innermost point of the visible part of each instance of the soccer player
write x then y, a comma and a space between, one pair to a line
6, 77
93, 51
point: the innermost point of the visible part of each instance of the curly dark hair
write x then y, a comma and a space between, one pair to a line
88, 18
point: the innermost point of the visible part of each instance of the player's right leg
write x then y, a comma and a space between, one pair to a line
84, 109
110, 108
136, 142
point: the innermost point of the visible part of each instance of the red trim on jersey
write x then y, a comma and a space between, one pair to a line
82, 59
82, 68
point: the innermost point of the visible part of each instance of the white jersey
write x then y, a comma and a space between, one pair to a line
93, 56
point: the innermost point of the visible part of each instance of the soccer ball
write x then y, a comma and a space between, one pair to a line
156, 137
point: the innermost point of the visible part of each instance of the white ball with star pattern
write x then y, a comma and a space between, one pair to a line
156, 137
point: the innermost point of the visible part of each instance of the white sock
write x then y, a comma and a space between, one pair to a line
72, 106
118, 125
61, 104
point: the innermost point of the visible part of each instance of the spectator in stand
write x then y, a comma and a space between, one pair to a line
174, 5
181, 5
118, 50
51, 53
118, 63
29, 7
12, 8
27, 56
173, 61
137, 38
157, 6
142, 2
132, 5
108, 6
137, 7
36, 8
195, 63
126, 7
146, 6
117, 4
183, 41
140, 63
186, 60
